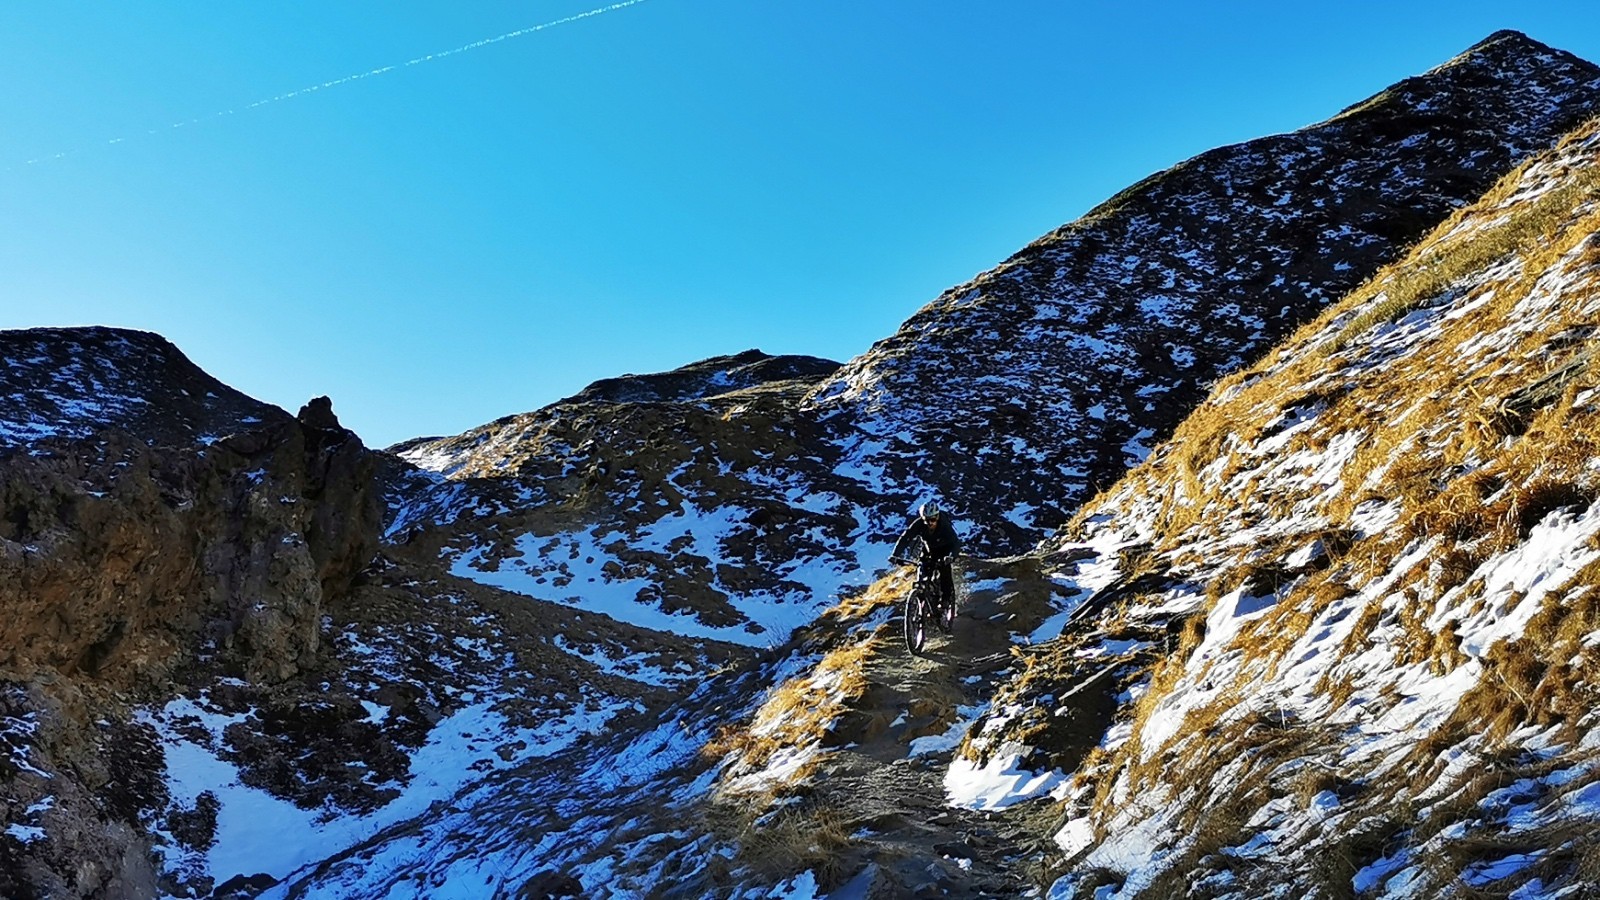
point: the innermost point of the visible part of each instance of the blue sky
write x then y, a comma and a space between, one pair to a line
478, 235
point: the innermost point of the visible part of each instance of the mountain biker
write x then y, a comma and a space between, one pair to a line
934, 530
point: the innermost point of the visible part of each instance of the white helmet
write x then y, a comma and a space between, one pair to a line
929, 511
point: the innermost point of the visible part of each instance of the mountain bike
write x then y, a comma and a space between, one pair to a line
923, 605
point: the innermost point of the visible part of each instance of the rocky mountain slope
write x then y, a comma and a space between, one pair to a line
1343, 623
708, 514
1057, 369
206, 646
782, 789
706, 502
71, 382
144, 538
1329, 639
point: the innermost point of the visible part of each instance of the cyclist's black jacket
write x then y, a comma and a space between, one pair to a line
941, 538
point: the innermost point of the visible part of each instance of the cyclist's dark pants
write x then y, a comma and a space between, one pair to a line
947, 585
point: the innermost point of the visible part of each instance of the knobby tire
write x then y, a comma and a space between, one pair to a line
916, 620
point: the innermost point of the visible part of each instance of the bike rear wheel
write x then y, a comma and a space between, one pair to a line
916, 620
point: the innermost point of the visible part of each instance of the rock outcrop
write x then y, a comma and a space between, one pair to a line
133, 555
122, 560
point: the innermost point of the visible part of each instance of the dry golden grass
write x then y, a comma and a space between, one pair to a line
1334, 864
799, 712
1316, 779
1361, 637
1475, 436
1185, 505
1165, 675
886, 591
1257, 743
1544, 677
798, 839
1459, 832
1219, 826
1437, 265
1540, 233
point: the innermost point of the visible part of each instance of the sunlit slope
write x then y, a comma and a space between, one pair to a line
1350, 608
736, 511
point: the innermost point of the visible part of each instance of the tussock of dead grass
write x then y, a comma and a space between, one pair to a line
792, 840
1257, 745
1460, 833
1546, 676
1334, 865
1144, 772
1056, 704
1185, 504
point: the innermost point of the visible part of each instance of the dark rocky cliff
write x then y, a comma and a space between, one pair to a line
130, 556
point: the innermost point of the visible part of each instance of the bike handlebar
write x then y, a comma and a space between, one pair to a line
903, 561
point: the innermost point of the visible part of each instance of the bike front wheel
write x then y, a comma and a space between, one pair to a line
915, 621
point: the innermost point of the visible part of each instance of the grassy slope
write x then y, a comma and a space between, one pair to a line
1372, 559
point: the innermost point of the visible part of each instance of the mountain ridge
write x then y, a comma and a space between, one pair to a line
1397, 606
993, 391
1135, 260
73, 381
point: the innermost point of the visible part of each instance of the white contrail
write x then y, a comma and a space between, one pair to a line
312, 89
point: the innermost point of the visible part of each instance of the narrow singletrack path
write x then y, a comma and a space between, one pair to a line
895, 799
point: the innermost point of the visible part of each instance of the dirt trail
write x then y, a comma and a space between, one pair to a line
914, 844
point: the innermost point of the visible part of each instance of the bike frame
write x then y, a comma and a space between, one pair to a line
928, 576
923, 605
